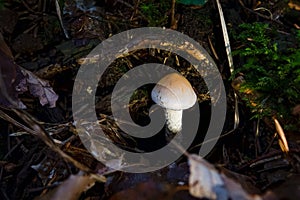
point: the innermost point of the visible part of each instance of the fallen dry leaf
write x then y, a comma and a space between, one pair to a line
40, 88
206, 182
71, 188
15, 80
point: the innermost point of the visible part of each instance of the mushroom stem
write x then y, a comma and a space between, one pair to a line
173, 121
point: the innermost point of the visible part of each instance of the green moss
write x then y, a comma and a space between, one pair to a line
272, 73
155, 11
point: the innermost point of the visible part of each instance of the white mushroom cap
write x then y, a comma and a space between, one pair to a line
174, 92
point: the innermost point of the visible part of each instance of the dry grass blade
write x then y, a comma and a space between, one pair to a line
230, 61
226, 38
282, 142
16, 123
60, 18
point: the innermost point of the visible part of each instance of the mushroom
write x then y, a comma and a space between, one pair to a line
174, 93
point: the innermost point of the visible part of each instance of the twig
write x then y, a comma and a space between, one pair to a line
38, 131
30, 9
173, 22
258, 14
213, 139
135, 10
16, 123
270, 144
213, 49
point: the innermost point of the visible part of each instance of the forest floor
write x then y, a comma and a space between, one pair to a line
42, 155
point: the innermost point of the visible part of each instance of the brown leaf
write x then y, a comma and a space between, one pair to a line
15, 80
41, 89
